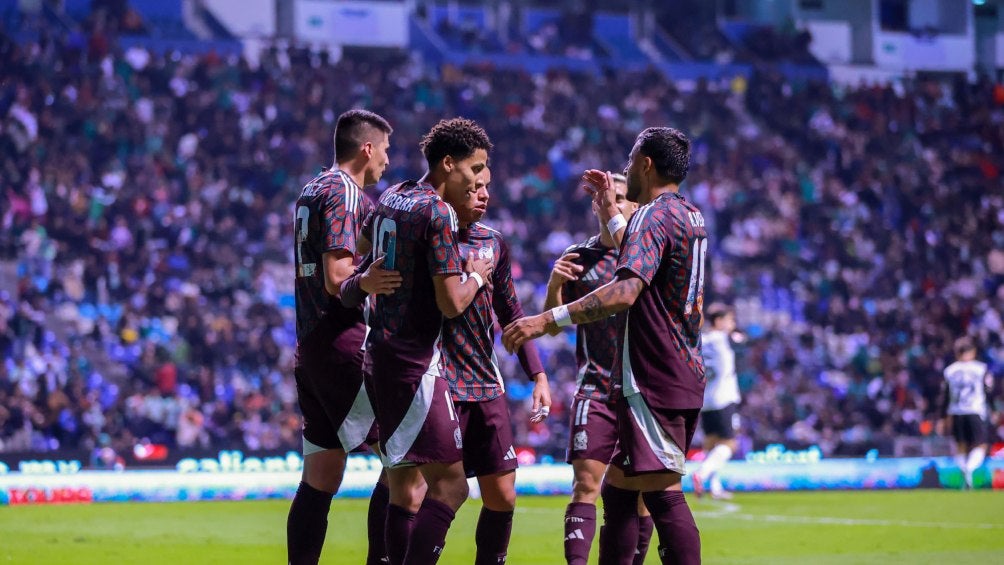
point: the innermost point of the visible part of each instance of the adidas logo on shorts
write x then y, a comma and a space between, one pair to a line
577, 534
509, 455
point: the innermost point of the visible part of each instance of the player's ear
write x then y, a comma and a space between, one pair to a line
367, 148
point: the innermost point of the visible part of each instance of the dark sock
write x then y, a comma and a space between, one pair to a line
645, 526
492, 536
429, 536
397, 533
376, 523
580, 528
679, 539
306, 525
619, 535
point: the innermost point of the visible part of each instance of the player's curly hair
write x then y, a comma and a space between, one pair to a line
669, 150
457, 137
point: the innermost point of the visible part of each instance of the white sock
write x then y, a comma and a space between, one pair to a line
976, 456
716, 484
960, 460
714, 461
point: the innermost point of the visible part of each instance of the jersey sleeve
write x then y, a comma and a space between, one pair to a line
444, 251
649, 233
341, 211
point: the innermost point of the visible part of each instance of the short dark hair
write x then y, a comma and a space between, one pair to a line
964, 345
351, 131
457, 137
669, 150
717, 310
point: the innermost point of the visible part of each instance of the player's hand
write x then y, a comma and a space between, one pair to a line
377, 280
523, 330
565, 269
483, 267
600, 185
541, 399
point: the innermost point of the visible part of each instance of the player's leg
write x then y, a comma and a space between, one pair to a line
580, 515
437, 448
498, 496
645, 528
323, 467
448, 490
307, 522
490, 456
977, 436
406, 489
651, 459
963, 440
592, 437
376, 521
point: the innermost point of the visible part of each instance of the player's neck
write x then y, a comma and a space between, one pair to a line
657, 191
356, 173
437, 183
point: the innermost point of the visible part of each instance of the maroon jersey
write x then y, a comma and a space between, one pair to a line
468, 340
665, 245
328, 217
596, 343
420, 229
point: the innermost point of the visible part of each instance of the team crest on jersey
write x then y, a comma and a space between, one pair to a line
580, 441
458, 438
486, 254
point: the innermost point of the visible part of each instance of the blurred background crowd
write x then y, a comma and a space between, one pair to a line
146, 236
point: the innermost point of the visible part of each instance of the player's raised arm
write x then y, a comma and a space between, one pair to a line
611, 298
600, 185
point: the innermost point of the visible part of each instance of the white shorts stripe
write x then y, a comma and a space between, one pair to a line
358, 422
663, 446
400, 442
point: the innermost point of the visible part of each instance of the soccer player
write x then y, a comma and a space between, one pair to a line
964, 406
415, 230
337, 416
476, 383
660, 282
581, 269
721, 397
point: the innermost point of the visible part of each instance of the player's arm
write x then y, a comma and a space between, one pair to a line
614, 297
455, 293
339, 265
368, 278
507, 308
600, 185
565, 270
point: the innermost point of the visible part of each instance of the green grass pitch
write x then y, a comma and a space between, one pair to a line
908, 527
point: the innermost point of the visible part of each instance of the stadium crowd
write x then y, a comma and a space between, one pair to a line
146, 242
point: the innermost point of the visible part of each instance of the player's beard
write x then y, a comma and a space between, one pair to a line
633, 187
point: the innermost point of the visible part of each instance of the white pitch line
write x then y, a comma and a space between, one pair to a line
732, 512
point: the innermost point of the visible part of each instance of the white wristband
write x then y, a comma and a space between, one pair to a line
561, 316
477, 278
616, 224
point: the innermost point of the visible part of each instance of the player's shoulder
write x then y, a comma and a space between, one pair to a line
589, 244
484, 232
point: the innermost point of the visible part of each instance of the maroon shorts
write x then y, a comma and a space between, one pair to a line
416, 418
336, 410
487, 432
593, 430
652, 440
